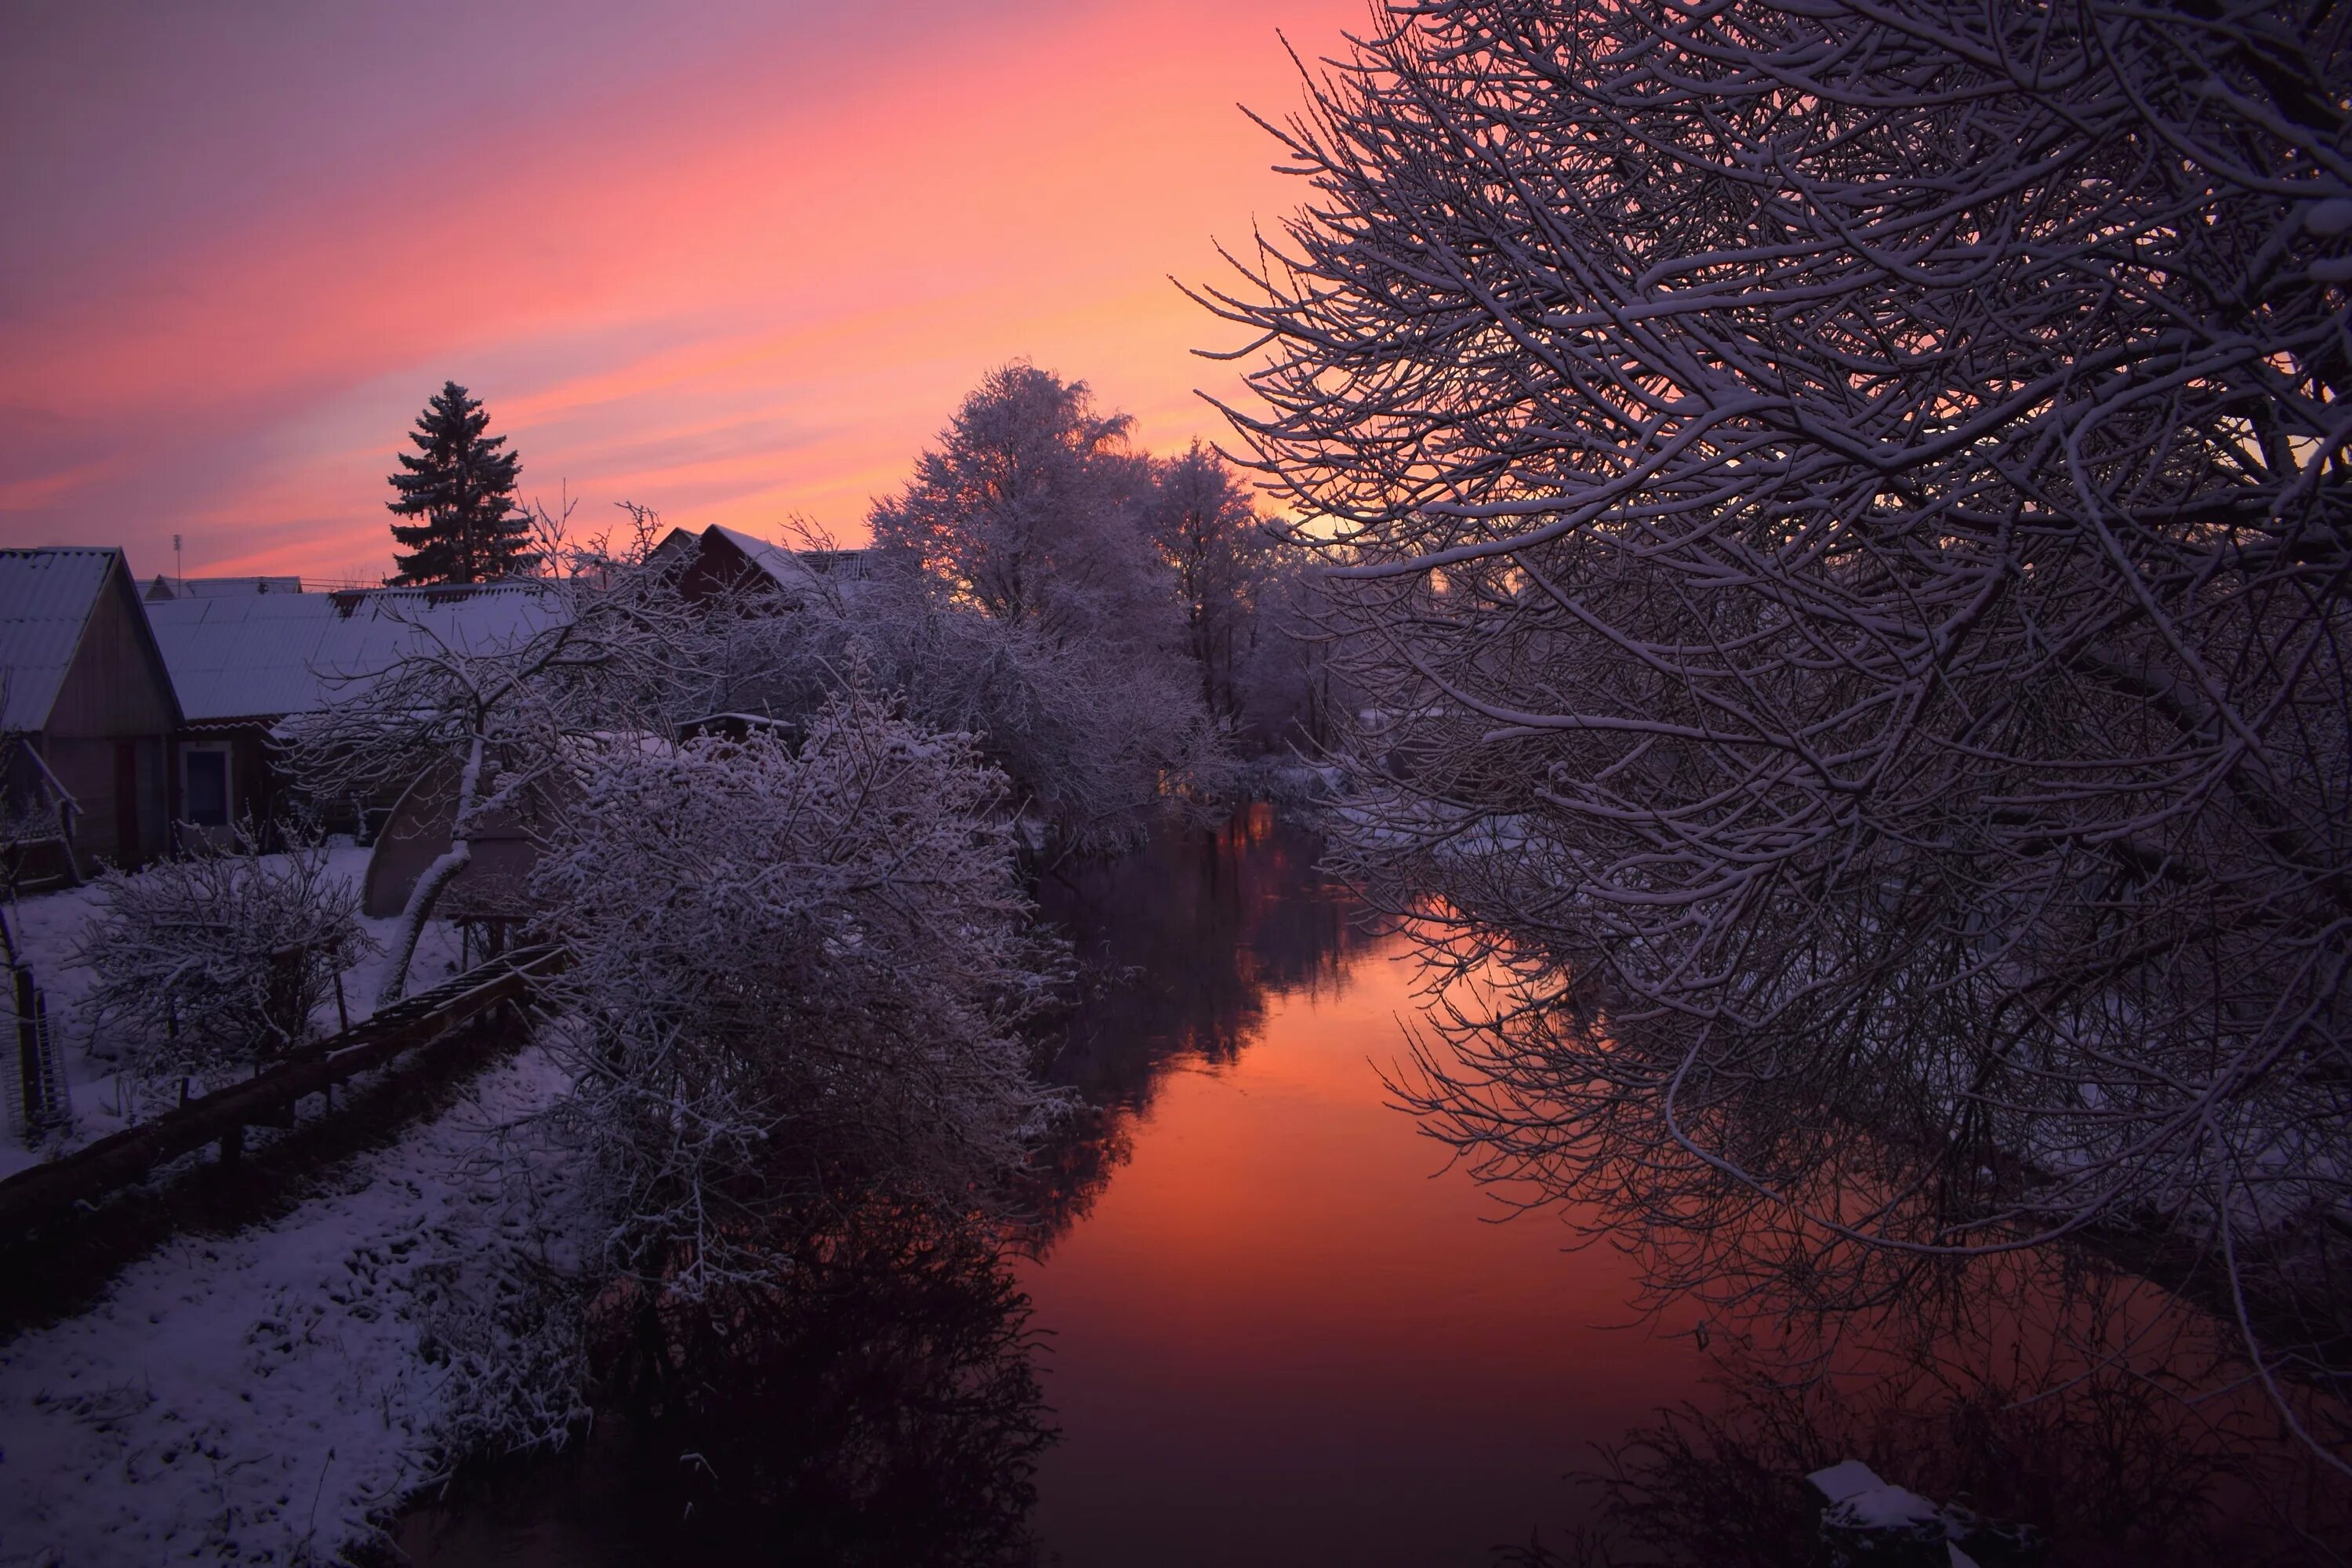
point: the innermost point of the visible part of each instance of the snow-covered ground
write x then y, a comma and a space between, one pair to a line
49, 927
254, 1399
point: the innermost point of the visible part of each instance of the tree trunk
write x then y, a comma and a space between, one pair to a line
436, 877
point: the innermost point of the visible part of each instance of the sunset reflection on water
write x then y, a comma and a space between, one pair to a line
1249, 1313
1282, 1327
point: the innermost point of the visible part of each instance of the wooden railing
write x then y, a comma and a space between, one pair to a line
32, 1196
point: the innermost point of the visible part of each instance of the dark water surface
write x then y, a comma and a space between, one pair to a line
1283, 1332
1268, 1323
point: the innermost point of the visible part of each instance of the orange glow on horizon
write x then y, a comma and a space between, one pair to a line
744, 284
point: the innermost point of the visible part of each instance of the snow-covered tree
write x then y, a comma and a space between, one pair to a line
1843, 509
1202, 517
1288, 690
213, 961
1031, 509
1023, 598
462, 489
792, 967
593, 659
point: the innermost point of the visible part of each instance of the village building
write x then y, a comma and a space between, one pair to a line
137, 720
245, 663
721, 560
87, 710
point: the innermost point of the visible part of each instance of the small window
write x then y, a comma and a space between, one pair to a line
203, 791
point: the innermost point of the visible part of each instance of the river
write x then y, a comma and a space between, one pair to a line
1284, 1331
1269, 1323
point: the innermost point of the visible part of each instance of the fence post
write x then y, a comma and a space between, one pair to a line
28, 1050
56, 1103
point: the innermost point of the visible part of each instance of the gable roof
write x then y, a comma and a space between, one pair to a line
47, 595
714, 550
264, 656
781, 565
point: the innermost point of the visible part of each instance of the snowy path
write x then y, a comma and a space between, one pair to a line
253, 1398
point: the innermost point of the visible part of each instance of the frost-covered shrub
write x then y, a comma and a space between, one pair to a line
1094, 738
208, 963
503, 1326
792, 967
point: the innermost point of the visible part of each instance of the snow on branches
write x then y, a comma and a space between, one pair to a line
1025, 598
1842, 508
793, 965
612, 649
210, 961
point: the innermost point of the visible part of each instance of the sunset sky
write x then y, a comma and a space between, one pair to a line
734, 260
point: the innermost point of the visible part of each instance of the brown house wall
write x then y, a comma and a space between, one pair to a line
417, 833
107, 735
116, 687
92, 770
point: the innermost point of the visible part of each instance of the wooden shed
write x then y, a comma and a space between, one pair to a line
84, 688
503, 851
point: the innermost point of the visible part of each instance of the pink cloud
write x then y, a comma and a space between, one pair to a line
753, 282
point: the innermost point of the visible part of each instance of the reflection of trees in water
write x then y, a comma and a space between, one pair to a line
2044, 1383
874, 1403
1182, 943
2079, 1407
2113, 1469
869, 1396
1182, 946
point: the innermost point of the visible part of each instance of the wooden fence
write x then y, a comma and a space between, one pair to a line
268, 1097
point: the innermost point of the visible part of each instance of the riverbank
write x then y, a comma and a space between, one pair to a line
263, 1397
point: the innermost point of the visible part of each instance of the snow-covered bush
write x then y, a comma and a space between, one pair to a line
210, 962
1094, 738
613, 647
792, 966
501, 1309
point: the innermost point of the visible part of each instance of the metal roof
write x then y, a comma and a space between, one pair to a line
264, 656
45, 597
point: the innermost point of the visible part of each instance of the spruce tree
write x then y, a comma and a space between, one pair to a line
462, 487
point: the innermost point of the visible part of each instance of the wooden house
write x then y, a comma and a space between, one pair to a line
87, 701
722, 560
245, 662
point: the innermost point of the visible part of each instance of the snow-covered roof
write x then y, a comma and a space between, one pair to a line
787, 568
779, 564
46, 598
851, 565
166, 587
262, 655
